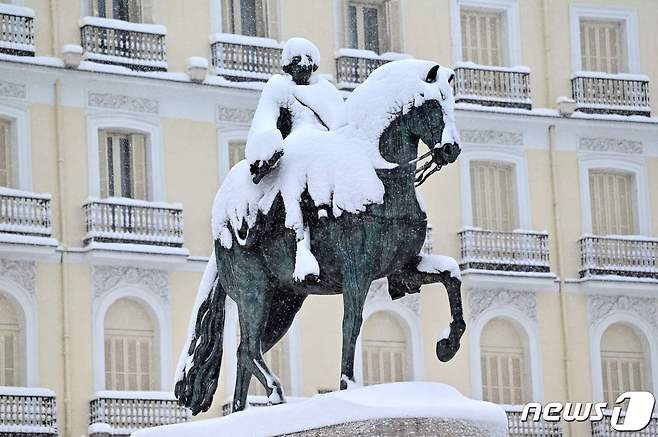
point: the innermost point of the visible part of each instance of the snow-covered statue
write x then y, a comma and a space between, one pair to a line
340, 178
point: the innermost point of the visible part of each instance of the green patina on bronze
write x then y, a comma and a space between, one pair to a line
352, 250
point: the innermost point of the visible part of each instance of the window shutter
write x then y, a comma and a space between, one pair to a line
103, 163
138, 154
482, 36
602, 45
5, 154
235, 152
384, 350
612, 197
147, 11
371, 28
392, 23
493, 195
352, 28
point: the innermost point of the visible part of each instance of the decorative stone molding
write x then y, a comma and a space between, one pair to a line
23, 273
502, 138
11, 89
107, 278
616, 145
600, 306
480, 300
125, 103
234, 115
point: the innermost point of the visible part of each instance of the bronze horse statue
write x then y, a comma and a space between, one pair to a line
353, 250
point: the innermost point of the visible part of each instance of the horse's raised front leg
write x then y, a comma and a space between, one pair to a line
354, 297
429, 269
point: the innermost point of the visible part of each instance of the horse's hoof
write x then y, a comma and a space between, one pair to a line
445, 351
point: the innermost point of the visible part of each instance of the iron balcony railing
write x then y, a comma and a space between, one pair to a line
244, 58
25, 213
518, 251
133, 45
16, 30
631, 256
27, 412
493, 86
119, 220
603, 428
529, 428
123, 412
353, 66
603, 93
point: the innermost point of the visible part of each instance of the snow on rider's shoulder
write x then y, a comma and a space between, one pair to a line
300, 47
323, 98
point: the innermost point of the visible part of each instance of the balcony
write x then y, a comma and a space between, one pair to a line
630, 256
517, 428
245, 58
604, 429
601, 93
116, 413
120, 220
133, 45
353, 66
25, 217
516, 251
16, 30
27, 412
493, 86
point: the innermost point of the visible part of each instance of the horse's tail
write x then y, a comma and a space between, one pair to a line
197, 373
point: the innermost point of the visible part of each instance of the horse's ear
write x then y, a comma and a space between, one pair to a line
431, 75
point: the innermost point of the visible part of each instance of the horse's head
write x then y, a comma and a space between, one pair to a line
433, 121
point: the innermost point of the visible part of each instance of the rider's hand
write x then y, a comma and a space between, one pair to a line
259, 169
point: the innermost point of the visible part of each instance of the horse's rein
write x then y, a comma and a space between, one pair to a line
426, 170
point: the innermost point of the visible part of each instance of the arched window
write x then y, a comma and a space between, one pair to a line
384, 350
235, 152
623, 362
130, 347
493, 195
123, 164
11, 342
504, 361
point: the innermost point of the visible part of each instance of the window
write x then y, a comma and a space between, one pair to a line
6, 159
623, 362
493, 195
368, 24
136, 11
602, 44
10, 344
482, 33
123, 165
129, 347
503, 360
235, 152
246, 17
384, 350
612, 197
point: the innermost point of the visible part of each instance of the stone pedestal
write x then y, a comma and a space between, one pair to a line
400, 409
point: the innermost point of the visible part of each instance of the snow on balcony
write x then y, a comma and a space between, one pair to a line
16, 30
528, 428
486, 85
122, 412
134, 45
245, 58
619, 255
602, 93
25, 213
120, 220
517, 251
27, 411
603, 428
353, 66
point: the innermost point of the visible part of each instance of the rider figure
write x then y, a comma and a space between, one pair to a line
278, 113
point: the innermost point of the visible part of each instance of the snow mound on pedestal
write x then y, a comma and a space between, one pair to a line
398, 400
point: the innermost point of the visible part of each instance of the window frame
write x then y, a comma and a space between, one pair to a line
383, 24
393, 30
20, 132
627, 16
380, 346
514, 198
510, 10
26, 310
272, 21
120, 133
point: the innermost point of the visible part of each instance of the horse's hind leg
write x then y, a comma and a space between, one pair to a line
283, 309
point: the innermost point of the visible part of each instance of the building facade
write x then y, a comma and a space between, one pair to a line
120, 118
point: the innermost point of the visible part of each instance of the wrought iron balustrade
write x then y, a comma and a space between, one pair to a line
493, 86
611, 94
519, 251
529, 428
118, 220
619, 255
604, 429
242, 58
354, 66
16, 30
27, 412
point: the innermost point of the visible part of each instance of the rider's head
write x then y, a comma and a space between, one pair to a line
300, 58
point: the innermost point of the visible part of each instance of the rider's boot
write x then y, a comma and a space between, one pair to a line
307, 268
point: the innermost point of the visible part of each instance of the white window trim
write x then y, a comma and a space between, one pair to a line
231, 350
512, 156
622, 163
26, 305
647, 335
148, 127
224, 137
511, 10
411, 327
339, 26
628, 16
19, 120
216, 17
529, 332
158, 310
